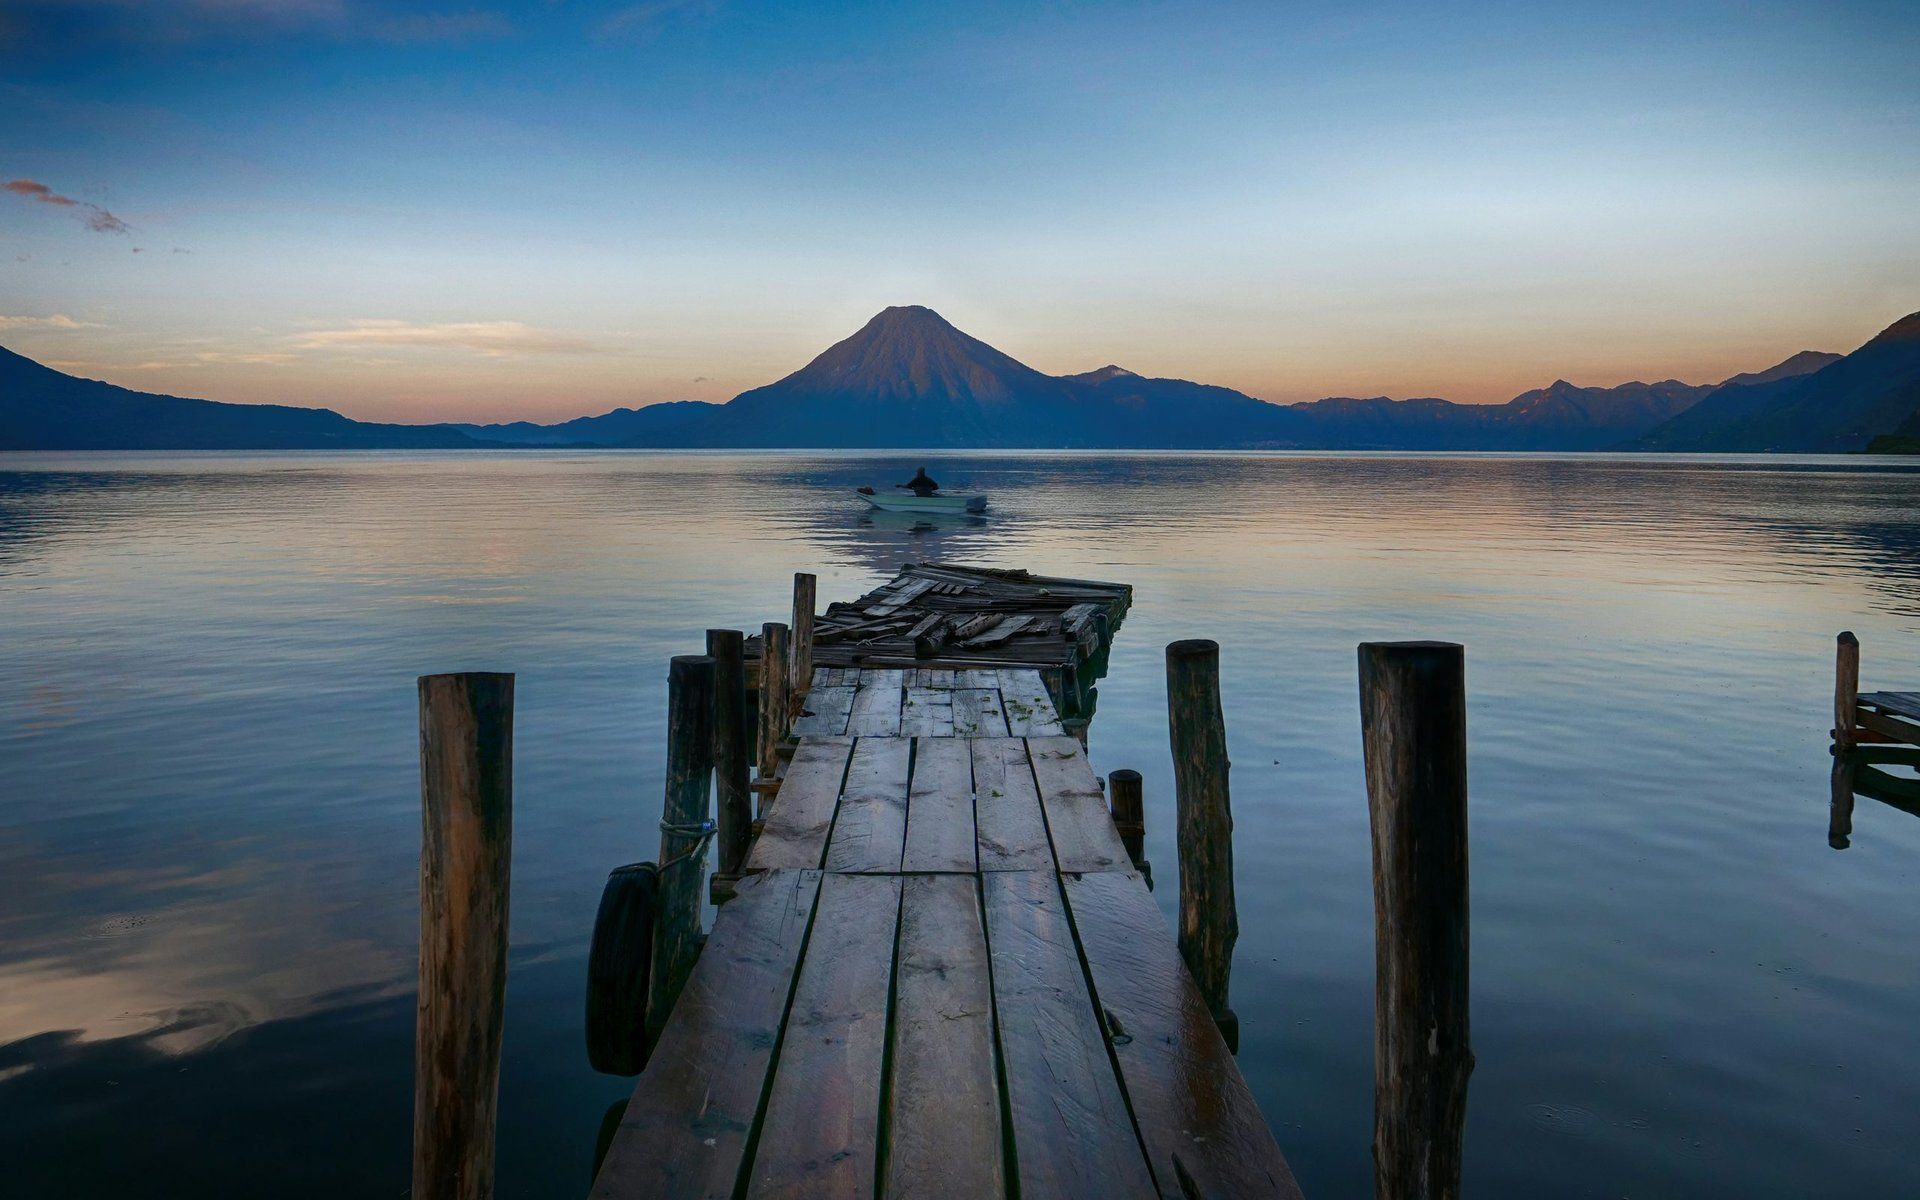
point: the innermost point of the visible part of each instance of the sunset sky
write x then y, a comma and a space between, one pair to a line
490, 211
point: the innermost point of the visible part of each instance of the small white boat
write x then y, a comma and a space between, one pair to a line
936, 503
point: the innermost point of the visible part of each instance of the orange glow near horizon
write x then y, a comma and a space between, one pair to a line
508, 371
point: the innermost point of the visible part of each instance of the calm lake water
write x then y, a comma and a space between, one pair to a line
209, 810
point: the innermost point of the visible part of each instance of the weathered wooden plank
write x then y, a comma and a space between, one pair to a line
876, 705
976, 677
1084, 838
1078, 618
927, 712
871, 827
794, 833
899, 597
1905, 704
1011, 833
940, 807
944, 1131
686, 1128
862, 630
1002, 630
1202, 1128
1072, 1133
966, 627
1030, 711
1888, 726
826, 710
977, 712
821, 1132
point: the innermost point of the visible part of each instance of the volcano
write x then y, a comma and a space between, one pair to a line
909, 378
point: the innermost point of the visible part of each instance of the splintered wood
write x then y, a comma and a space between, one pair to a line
946, 615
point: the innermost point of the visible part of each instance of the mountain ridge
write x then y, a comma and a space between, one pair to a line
45, 409
908, 377
1842, 407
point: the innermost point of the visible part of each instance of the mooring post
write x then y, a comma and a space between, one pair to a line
684, 829
1209, 925
1128, 805
466, 848
1413, 730
801, 680
732, 755
1846, 690
774, 690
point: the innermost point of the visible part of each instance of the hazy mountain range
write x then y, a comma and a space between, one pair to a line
1844, 405
42, 409
908, 378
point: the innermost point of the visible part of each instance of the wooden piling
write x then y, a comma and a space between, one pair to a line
732, 752
1846, 690
800, 677
1209, 925
1129, 812
466, 808
676, 925
1413, 725
774, 690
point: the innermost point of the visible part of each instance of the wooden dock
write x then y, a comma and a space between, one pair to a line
937, 969
940, 975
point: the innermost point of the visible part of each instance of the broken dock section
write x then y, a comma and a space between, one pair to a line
946, 616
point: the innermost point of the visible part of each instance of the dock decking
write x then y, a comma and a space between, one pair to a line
941, 974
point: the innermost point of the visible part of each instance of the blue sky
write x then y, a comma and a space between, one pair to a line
552, 208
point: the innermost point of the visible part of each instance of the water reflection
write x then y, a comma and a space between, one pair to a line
1876, 773
209, 827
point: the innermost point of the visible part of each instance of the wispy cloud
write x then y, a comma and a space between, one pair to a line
257, 359
199, 20
440, 27
55, 321
650, 16
494, 339
98, 219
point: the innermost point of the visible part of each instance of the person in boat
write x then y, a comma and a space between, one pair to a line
920, 485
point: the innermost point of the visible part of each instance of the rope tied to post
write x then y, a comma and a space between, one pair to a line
701, 831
